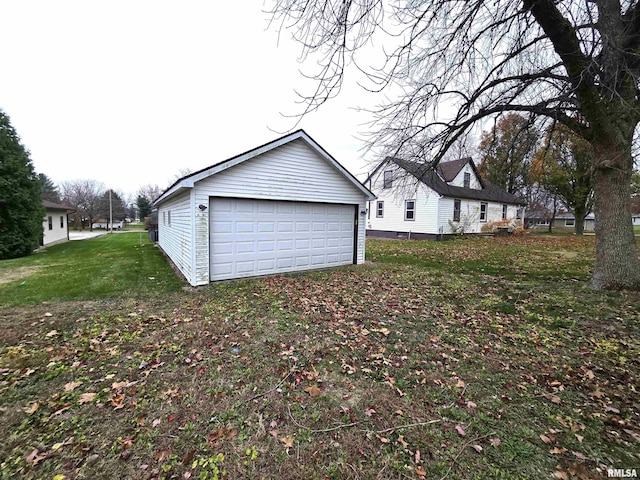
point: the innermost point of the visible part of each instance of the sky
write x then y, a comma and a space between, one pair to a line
131, 93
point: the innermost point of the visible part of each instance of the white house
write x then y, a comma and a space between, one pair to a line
282, 207
416, 201
55, 223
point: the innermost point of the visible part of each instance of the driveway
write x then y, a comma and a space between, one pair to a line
82, 235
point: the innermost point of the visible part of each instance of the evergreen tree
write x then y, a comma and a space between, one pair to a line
21, 210
144, 207
49, 189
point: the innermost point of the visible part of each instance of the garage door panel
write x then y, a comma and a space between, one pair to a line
258, 237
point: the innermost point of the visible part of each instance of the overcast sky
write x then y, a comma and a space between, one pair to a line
131, 92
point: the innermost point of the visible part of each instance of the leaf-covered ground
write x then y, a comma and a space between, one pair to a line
472, 359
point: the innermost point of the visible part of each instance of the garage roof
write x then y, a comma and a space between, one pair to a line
188, 181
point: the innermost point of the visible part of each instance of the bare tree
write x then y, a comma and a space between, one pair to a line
149, 191
459, 62
84, 196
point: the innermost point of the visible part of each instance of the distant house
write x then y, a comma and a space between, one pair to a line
568, 221
420, 202
636, 218
55, 223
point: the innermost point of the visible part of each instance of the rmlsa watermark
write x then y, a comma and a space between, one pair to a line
622, 473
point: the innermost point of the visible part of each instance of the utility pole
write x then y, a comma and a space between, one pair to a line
110, 212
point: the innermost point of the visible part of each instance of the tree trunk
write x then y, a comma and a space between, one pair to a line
616, 265
579, 215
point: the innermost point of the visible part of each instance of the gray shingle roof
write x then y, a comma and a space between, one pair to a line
433, 180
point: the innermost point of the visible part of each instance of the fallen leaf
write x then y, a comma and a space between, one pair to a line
477, 448
461, 384
579, 455
460, 430
495, 442
313, 391
86, 397
52, 333
470, 404
556, 400
633, 434
117, 402
61, 410
402, 441
34, 457
545, 439
557, 451
30, 410
383, 439
69, 387
611, 409
561, 475
421, 472
287, 441
579, 438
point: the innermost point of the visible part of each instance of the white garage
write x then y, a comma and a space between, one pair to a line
286, 206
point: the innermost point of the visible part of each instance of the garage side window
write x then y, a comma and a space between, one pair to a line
61, 221
50, 223
380, 209
410, 210
169, 218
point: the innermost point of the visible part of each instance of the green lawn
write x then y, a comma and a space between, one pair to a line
123, 264
469, 359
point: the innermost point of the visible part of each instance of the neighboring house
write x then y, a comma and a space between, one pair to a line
568, 221
419, 202
635, 219
55, 223
282, 207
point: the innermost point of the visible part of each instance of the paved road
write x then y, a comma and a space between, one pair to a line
82, 235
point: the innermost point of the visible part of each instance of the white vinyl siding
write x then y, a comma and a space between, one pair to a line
55, 230
474, 183
292, 171
470, 214
174, 232
393, 220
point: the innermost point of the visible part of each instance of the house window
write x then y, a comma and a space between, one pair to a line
483, 211
164, 218
410, 210
50, 222
569, 222
388, 179
169, 217
380, 209
61, 221
456, 210
467, 179
504, 212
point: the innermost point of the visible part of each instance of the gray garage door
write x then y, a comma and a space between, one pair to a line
260, 237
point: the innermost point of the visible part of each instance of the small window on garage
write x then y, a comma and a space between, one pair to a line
61, 221
569, 222
169, 217
456, 210
164, 218
410, 210
50, 223
483, 211
380, 209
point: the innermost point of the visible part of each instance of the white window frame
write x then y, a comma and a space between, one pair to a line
408, 210
457, 203
483, 214
467, 180
505, 210
387, 179
569, 222
380, 209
